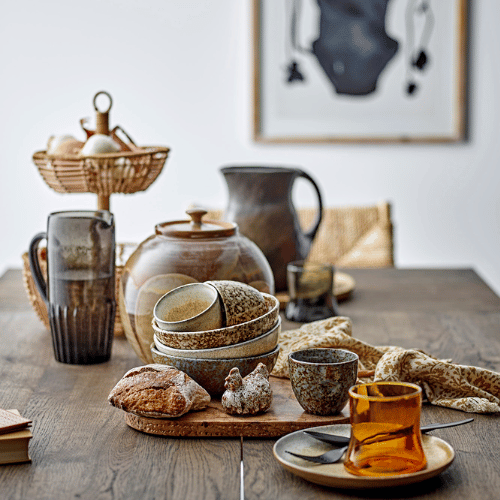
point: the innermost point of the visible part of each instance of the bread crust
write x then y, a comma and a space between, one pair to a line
158, 391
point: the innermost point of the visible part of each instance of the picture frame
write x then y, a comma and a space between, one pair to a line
355, 71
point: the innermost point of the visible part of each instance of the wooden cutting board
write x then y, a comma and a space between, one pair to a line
284, 416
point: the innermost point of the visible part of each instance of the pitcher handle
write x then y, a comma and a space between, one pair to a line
314, 229
36, 270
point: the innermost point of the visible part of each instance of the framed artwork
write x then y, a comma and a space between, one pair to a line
360, 71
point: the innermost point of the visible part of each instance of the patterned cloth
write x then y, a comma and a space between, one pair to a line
467, 388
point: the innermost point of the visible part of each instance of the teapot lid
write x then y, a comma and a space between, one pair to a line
196, 227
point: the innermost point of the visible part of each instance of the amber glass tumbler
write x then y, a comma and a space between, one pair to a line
385, 429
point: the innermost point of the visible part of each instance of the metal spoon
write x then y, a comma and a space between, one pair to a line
343, 440
330, 457
336, 454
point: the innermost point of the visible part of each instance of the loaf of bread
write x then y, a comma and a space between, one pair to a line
158, 391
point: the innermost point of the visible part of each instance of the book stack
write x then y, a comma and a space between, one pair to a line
14, 437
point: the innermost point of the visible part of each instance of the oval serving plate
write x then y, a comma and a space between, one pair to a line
439, 455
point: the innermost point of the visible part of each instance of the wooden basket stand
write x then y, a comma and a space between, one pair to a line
129, 171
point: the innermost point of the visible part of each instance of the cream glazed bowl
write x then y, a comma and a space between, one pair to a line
222, 336
189, 308
254, 347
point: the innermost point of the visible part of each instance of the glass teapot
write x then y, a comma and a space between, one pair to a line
181, 252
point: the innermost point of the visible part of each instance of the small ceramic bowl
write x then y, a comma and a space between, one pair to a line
222, 336
211, 373
254, 347
321, 378
189, 308
241, 302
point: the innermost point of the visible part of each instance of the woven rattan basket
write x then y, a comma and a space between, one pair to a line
124, 172
128, 171
123, 250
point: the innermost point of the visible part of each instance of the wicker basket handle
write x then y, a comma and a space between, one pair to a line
131, 146
102, 117
36, 270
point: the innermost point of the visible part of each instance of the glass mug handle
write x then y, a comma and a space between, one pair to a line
36, 270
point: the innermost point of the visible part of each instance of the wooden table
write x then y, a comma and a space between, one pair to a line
82, 448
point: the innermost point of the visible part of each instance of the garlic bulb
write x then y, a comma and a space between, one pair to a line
99, 144
56, 141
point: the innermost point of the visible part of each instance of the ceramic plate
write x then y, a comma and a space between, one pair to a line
343, 286
439, 455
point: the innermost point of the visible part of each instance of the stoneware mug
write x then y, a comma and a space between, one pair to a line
321, 378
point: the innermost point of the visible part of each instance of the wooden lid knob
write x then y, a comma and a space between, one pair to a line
196, 215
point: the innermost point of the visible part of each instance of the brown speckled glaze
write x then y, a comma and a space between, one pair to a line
223, 336
211, 373
253, 347
241, 302
321, 378
247, 395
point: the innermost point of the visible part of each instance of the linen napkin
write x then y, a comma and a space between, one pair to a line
444, 383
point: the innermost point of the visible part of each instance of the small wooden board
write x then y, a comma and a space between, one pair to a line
284, 416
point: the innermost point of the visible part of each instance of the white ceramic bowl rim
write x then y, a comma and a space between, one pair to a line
177, 291
273, 304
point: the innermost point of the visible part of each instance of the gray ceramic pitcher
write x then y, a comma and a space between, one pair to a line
260, 202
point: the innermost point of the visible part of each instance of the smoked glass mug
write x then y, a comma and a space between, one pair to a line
80, 288
385, 429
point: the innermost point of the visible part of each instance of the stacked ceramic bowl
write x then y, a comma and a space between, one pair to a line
205, 329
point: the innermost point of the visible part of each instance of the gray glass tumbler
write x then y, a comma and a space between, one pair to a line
80, 287
310, 286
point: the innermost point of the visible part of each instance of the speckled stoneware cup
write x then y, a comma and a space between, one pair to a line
241, 302
211, 373
321, 378
222, 336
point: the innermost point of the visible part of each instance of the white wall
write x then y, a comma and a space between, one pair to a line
180, 76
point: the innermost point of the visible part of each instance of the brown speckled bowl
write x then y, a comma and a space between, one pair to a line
253, 347
223, 336
321, 378
241, 302
211, 373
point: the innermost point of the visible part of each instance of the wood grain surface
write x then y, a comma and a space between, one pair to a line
82, 447
284, 416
